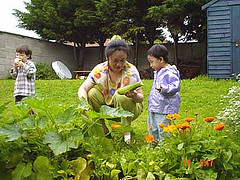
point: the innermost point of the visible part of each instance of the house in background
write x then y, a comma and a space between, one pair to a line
223, 38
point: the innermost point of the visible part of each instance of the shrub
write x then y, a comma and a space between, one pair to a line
231, 112
44, 71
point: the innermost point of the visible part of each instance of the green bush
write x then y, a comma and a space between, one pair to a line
45, 71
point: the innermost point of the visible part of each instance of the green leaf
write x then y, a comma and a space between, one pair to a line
27, 123
83, 104
170, 177
97, 146
11, 131
77, 166
42, 168
21, 171
114, 174
3, 107
202, 174
229, 155
75, 137
141, 175
227, 166
95, 130
60, 145
66, 116
150, 176
108, 112
92, 114
180, 146
42, 122
55, 142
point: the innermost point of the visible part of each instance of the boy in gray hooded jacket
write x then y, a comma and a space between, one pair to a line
164, 95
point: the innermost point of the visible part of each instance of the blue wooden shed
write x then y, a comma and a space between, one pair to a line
223, 38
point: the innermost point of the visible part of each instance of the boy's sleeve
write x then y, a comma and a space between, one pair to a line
29, 68
13, 72
170, 85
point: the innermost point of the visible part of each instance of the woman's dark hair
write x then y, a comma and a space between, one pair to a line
25, 49
158, 51
116, 45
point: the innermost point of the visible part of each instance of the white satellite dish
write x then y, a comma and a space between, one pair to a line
61, 70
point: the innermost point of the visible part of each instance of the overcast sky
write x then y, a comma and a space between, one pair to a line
8, 22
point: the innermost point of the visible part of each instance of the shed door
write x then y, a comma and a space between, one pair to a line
235, 38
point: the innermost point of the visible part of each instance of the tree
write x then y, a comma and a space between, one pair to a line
61, 20
182, 18
128, 18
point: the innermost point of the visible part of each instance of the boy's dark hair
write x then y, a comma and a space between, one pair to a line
158, 51
117, 44
25, 49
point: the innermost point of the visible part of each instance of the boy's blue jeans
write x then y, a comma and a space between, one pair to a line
154, 120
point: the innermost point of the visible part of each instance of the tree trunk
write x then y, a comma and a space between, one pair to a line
175, 38
81, 52
136, 52
101, 49
204, 64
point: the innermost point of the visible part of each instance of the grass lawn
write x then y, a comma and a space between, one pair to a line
201, 95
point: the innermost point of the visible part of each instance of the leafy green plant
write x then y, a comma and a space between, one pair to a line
230, 114
54, 135
44, 71
27, 141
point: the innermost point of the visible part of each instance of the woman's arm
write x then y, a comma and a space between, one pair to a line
84, 88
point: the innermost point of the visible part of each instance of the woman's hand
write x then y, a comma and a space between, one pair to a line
131, 94
136, 95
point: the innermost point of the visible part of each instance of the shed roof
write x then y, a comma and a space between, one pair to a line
209, 4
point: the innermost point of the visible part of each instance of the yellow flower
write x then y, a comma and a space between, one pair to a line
150, 127
172, 116
61, 172
115, 126
169, 128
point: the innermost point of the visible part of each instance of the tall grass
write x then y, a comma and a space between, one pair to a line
200, 96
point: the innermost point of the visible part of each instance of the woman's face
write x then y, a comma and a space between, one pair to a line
117, 60
155, 63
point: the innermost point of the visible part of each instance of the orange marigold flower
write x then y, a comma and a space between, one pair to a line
189, 119
161, 125
115, 126
219, 127
172, 116
150, 127
169, 116
150, 139
184, 126
209, 119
